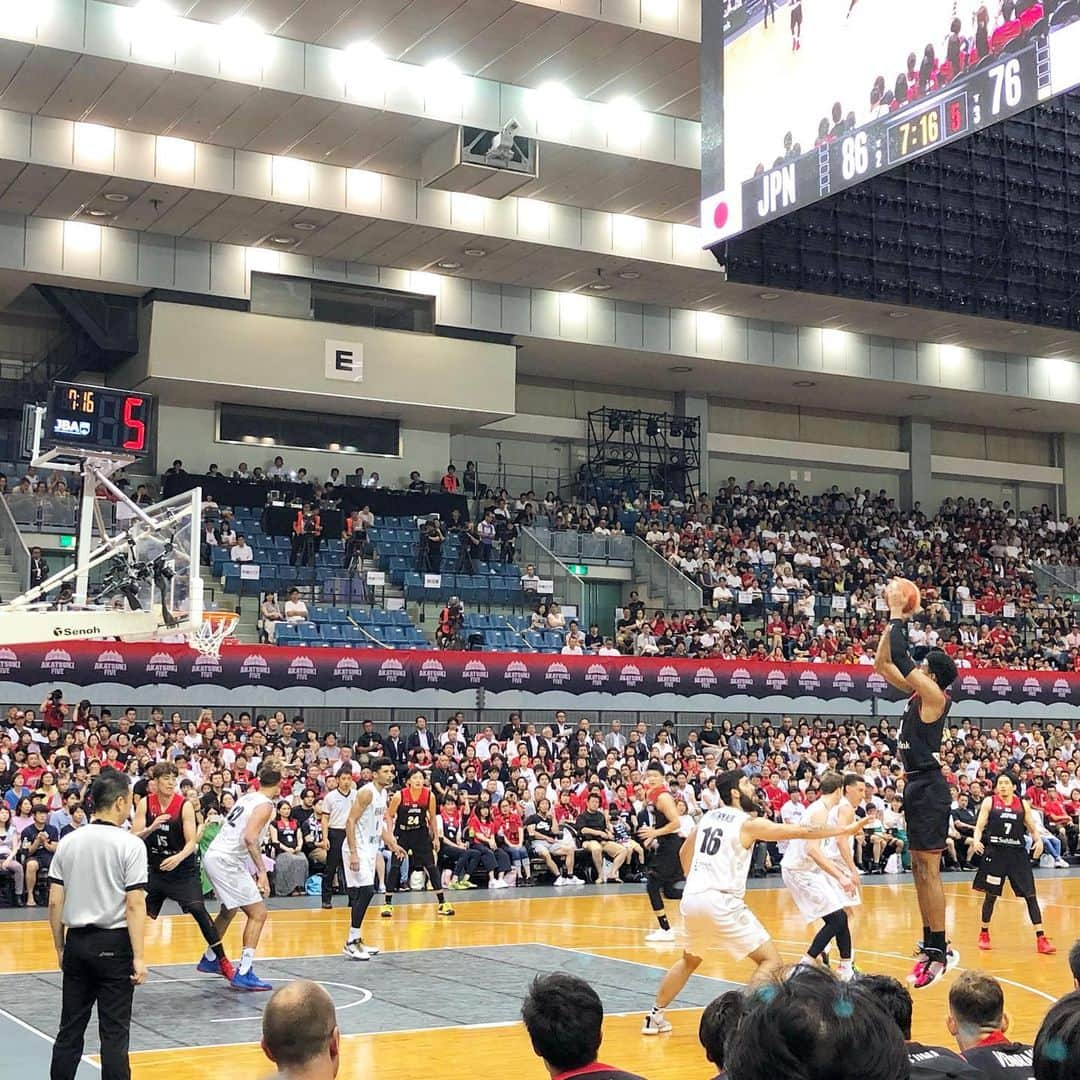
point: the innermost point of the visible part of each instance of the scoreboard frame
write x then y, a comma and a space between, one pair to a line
997, 87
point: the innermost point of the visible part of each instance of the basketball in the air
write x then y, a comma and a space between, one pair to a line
908, 592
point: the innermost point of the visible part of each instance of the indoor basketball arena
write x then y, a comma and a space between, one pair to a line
540, 538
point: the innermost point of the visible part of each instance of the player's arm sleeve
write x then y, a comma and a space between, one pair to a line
135, 867
898, 647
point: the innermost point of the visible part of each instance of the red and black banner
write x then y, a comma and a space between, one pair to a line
85, 663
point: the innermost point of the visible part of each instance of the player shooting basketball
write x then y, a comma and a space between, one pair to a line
927, 800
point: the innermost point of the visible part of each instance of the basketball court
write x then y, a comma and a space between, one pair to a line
453, 988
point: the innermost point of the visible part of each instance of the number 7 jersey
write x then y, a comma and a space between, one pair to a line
721, 862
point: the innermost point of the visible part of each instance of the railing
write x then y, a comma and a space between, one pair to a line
664, 581
46, 512
568, 587
1057, 579
575, 547
14, 545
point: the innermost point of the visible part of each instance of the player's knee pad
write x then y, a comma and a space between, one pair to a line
673, 890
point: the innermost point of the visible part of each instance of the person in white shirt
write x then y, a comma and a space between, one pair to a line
277, 471
241, 550
373, 481
295, 608
241, 472
271, 614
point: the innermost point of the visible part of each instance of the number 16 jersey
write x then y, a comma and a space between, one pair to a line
721, 862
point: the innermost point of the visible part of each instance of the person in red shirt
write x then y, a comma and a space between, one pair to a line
1059, 822
777, 796
449, 482
510, 830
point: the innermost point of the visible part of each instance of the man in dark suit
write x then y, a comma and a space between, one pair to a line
39, 568
421, 738
394, 748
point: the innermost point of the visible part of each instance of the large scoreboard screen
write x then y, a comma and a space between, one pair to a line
803, 98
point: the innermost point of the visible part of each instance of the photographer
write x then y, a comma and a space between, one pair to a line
354, 535
54, 711
468, 551
307, 531
451, 620
431, 542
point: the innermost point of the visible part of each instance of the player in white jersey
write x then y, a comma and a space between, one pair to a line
366, 826
716, 857
225, 862
821, 887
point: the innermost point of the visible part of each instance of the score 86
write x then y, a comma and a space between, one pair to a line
854, 156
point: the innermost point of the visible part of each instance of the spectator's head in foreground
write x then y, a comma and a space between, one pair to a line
814, 1027
719, 1022
300, 1034
563, 1016
892, 996
976, 1008
1057, 1046
1074, 963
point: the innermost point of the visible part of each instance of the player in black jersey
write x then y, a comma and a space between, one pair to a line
663, 868
1004, 819
927, 799
411, 814
978, 1022
166, 822
926, 1062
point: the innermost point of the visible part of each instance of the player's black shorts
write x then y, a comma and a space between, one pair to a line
183, 889
796, 16
417, 845
999, 865
664, 862
927, 804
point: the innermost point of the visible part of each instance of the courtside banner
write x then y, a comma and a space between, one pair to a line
86, 663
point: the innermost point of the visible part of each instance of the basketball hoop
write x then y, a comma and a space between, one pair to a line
208, 636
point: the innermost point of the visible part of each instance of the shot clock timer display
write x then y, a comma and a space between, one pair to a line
100, 418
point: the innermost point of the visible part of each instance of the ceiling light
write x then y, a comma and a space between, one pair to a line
680, 369
476, 253
95, 212
243, 46
899, 314
1025, 409
305, 226
598, 286
804, 383
281, 240
554, 106
116, 196
768, 296
445, 83
625, 117
918, 397
628, 275
448, 264
153, 30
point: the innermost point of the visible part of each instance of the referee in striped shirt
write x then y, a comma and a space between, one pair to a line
98, 882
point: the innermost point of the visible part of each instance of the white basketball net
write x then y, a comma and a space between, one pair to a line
208, 636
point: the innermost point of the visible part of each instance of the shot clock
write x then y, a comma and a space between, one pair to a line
99, 418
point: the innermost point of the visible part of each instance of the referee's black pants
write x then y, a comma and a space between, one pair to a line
334, 865
97, 968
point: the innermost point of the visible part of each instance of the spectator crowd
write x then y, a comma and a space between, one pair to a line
518, 800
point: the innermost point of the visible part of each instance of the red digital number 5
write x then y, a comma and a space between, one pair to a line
133, 426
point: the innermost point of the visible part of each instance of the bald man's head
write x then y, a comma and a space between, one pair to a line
300, 1027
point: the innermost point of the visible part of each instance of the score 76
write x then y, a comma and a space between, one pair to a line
1008, 87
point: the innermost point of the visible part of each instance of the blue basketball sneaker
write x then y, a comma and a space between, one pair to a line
217, 967
250, 981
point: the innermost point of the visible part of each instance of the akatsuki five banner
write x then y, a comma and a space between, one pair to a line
86, 663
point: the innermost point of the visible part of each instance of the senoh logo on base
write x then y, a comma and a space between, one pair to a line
77, 631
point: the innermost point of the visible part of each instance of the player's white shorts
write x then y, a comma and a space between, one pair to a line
815, 893
233, 884
715, 919
367, 854
849, 900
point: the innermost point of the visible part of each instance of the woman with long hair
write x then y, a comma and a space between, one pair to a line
483, 840
291, 863
9, 851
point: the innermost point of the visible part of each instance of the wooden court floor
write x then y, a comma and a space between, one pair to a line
611, 924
